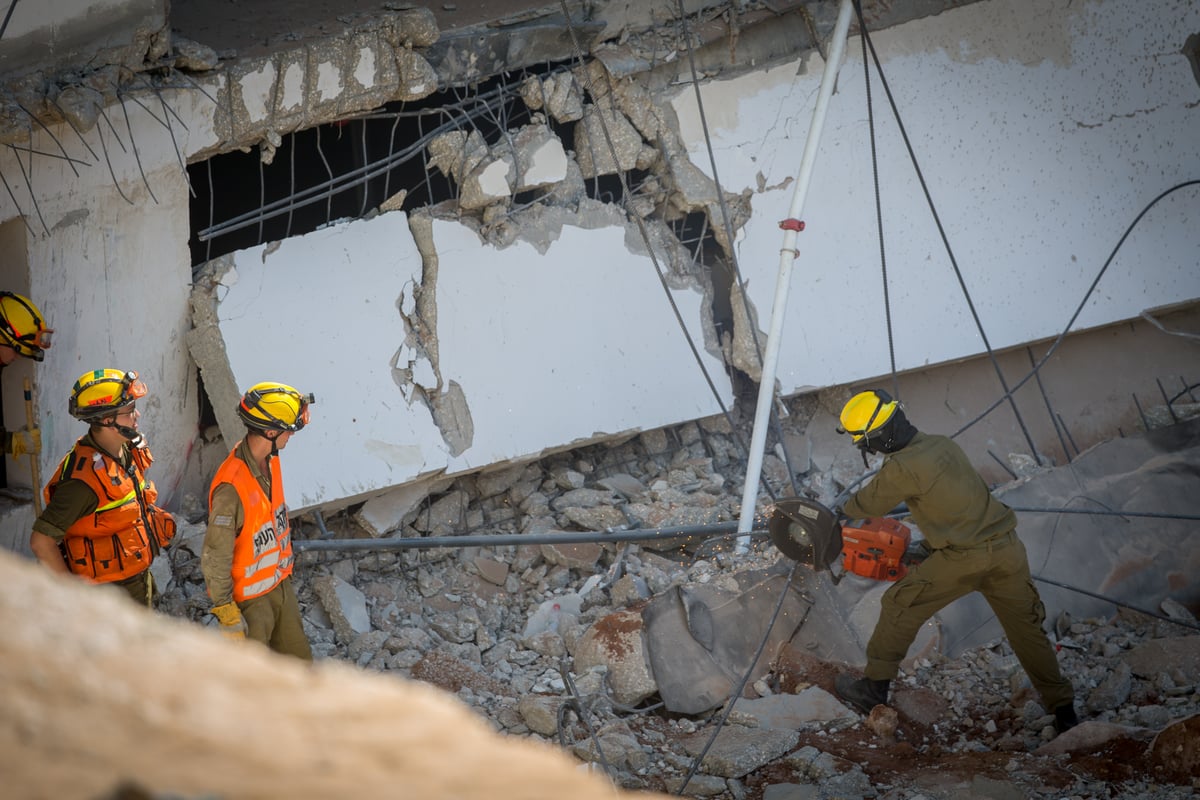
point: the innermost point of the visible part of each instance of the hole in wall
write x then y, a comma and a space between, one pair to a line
345, 169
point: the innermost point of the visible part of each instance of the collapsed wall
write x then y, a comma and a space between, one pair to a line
590, 170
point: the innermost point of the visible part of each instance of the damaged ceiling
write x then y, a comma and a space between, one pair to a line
255, 27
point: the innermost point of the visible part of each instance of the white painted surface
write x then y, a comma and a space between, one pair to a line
1042, 130
111, 276
320, 313
547, 164
563, 347
293, 88
255, 90
547, 350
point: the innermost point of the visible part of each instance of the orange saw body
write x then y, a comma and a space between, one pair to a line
875, 548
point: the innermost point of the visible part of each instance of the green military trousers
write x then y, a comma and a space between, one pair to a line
999, 570
274, 620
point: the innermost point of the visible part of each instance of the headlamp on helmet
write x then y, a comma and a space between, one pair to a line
104, 392
273, 406
22, 327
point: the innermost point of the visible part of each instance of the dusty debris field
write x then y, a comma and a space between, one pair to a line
969, 726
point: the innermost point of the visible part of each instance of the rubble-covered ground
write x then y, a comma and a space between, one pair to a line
500, 626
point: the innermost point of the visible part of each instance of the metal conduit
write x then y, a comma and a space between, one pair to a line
715, 530
499, 539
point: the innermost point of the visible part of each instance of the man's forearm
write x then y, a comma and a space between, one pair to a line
47, 552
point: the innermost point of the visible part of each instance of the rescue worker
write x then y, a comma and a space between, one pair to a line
972, 543
99, 521
247, 557
23, 332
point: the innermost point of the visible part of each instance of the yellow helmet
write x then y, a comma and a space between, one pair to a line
22, 327
103, 392
866, 412
271, 406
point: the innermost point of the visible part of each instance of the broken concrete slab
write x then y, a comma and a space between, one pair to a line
737, 750
606, 142
791, 711
1133, 560
617, 642
701, 640
345, 605
1175, 751
385, 513
422, 307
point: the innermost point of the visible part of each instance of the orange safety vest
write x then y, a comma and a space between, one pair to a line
111, 544
262, 551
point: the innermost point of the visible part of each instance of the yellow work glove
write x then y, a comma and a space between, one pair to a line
230, 617
23, 443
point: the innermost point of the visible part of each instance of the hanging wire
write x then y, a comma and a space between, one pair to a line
776, 427
941, 230
887, 302
1054, 418
641, 225
136, 156
71, 123
1079, 310
16, 205
7, 16
29, 184
737, 692
71, 162
108, 161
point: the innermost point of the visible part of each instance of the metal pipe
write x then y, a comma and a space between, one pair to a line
501, 539
1122, 604
787, 255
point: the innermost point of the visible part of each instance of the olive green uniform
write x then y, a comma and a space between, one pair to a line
72, 501
273, 618
974, 548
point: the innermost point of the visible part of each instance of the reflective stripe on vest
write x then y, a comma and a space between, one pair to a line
111, 543
262, 549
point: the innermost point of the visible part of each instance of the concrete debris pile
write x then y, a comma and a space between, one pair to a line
553, 642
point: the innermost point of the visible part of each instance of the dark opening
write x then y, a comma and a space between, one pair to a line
345, 169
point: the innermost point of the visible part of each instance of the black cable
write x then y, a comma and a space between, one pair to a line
577, 702
8, 16
641, 226
726, 529
941, 230
1054, 418
887, 304
773, 418
1079, 310
737, 693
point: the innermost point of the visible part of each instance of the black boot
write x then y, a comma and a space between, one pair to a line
1064, 718
864, 693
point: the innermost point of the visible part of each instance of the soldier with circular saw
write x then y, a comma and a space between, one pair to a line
973, 547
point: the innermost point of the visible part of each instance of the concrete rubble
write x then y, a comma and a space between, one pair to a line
558, 642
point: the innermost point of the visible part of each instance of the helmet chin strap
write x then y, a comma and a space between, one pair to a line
132, 434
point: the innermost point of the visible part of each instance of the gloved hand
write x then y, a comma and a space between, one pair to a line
917, 552
24, 443
230, 617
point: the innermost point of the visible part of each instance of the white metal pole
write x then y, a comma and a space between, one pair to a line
787, 255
